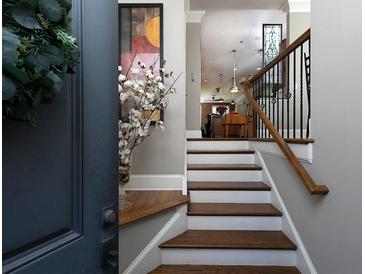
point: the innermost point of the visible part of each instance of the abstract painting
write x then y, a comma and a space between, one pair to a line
140, 35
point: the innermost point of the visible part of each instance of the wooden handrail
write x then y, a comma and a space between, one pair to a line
304, 37
307, 180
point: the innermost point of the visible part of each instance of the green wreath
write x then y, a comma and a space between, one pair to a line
37, 51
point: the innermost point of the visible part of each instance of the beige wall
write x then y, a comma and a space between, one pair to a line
330, 226
193, 78
297, 24
167, 146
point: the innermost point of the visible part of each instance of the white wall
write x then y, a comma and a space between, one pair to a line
193, 78
330, 226
297, 24
164, 151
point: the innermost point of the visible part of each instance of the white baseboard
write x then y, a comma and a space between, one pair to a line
303, 261
150, 257
156, 182
193, 133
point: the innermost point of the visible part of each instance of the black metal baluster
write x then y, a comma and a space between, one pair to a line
269, 94
294, 90
261, 105
265, 103
287, 96
282, 97
301, 91
277, 97
309, 80
254, 132
273, 98
257, 101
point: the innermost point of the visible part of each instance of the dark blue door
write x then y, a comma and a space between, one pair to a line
60, 177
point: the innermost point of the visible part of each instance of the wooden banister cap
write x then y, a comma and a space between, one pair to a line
320, 189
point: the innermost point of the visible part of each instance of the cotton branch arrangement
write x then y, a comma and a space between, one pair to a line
142, 95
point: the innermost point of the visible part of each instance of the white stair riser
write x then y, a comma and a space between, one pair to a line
228, 256
225, 175
221, 158
217, 145
234, 223
228, 196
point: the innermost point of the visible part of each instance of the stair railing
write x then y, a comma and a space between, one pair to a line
274, 94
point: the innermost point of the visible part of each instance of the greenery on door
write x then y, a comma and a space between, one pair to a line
37, 52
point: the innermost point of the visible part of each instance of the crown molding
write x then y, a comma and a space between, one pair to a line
292, 6
194, 16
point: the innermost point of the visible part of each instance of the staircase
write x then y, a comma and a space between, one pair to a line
232, 226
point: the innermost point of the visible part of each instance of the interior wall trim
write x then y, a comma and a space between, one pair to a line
195, 16
293, 6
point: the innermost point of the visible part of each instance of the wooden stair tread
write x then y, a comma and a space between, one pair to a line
287, 140
232, 209
231, 239
215, 151
217, 139
149, 202
223, 167
224, 269
248, 186
303, 141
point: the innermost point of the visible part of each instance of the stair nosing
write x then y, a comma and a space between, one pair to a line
237, 151
223, 167
274, 213
245, 246
213, 268
225, 186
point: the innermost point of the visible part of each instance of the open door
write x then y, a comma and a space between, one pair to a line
60, 177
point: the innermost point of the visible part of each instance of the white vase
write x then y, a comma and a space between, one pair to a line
123, 179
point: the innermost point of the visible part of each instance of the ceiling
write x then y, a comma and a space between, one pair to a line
235, 4
224, 25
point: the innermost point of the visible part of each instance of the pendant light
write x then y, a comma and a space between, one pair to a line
234, 88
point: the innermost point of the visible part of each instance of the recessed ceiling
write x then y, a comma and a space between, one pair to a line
223, 29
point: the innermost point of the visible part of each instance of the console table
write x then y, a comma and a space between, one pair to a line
235, 119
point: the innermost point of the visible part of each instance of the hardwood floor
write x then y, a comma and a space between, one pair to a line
147, 203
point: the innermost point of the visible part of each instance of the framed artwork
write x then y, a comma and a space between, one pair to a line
140, 35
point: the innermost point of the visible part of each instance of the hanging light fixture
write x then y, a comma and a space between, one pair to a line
234, 88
